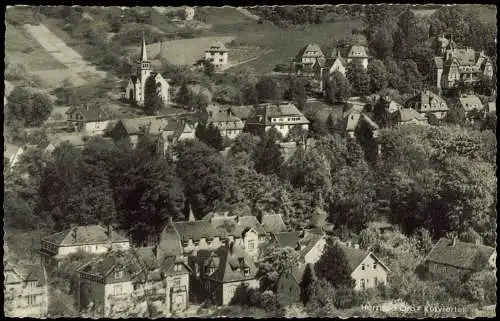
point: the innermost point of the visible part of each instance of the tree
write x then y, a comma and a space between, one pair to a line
152, 100
378, 75
276, 262
382, 43
358, 78
267, 155
306, 283
321, 298
184, 96
296, 92
268, 90
30, 108
212, 137
204, 176
243, 143
334, 267
208, 67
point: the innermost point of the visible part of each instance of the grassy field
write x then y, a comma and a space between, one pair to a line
224, 16
21, 48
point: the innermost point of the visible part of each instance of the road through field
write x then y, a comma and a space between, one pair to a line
245, 61
64, 54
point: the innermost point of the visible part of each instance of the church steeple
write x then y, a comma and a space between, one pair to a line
144, 55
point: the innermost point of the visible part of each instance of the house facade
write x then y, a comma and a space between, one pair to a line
93, 239
219, 273
188, 237
282, 117
228, 124
136, 87
218, 54
25, 291
176, 273
427, 102
358, 54
308, 55
174, 132
92, 120
453, 65
454, 257
409, 116
367, 270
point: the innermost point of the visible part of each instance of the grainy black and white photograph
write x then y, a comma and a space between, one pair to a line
262, 161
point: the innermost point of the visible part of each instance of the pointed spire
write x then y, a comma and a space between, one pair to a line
144, 55
191, 215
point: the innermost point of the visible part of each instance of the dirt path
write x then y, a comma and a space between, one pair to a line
245, 61
248, 13
66, 55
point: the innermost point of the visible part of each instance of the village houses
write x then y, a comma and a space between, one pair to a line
94, 239
136, 89
455, 257
25, 291
427, 102
283, 117
217, 54
453, 65
90, 119
223, 119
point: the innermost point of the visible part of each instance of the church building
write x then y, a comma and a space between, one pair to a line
135, 90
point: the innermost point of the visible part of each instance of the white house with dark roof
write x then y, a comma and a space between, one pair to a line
135, 90
367, 270
283, 117
469, 103
25, 291
309, 54
217, 53
92, 119
358, 53
409, 116
427, 102
94, 239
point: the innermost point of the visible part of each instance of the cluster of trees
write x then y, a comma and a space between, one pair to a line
297, 15
28, 107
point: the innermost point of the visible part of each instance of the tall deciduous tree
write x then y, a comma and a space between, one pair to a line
30, 108
378, 75
267, 155
268, 90
358, 78
382, 43
296, 92
152, 100
334, 267
276, 262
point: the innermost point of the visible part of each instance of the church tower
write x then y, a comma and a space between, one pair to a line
143, 71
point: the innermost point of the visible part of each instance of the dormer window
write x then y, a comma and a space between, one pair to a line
210, 269
118, 274
177, 267
246, 271
363, 266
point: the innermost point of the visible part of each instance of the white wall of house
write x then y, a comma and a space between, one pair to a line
284, 129
96, 128
117, 294
28, 299
91, 248
338, 66
174, 299
369, 272
218, 58
364, 61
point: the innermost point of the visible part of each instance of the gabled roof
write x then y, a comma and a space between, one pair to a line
25, 273
470, 102
79, 235
90, 112
168, 266
265, 112
426, 97
409, 114
465, 57
242, 112
358, 49
303, 53
308, 242
147, 257
229, 265
103, 266
356, 256
462, 255
273, 223
216, 46
286, 239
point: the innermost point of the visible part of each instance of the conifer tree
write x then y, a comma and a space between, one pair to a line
334, 267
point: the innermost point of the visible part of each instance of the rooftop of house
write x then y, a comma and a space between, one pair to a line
358, 52
308, 241
470, 102
432, 100
465, 57
229, 264
409, 114
312, 50
462, 255
264, 113
136, 126
24, 273
216, 46
168, 266
10, 150
284, 239
353, 120
273, 223
223, 116
74, 139
79, 235
91, 112
242, 112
